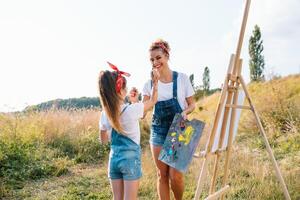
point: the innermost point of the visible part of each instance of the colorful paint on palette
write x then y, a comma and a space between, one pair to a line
181, 142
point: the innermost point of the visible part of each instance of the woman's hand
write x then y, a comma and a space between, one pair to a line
184, 115
155, 76
191, 106
134, 95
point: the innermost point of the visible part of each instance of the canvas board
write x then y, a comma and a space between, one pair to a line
181, 142
240, 101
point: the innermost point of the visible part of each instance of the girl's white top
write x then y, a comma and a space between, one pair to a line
129, 121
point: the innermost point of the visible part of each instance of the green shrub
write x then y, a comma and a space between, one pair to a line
90, 150
22, 161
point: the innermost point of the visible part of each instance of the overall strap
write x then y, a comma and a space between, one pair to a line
123, 109
175, 75
114, 132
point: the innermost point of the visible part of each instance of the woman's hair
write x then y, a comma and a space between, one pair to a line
162, 45
109, 98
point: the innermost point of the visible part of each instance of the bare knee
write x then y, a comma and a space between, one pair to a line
176, 177
162, 175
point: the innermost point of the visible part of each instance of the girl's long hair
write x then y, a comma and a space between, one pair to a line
110, 99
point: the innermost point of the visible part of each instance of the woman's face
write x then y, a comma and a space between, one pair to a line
158, 59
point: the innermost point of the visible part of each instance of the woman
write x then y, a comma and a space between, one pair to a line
175, 95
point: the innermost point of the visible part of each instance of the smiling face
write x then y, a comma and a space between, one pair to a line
159, 59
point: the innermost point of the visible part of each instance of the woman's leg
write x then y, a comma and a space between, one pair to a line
162, 173
177, 183
117, 186
131, 189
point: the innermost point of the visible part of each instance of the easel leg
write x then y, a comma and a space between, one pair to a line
230, 141
224, 125
231, 127
214, 177
226, 168
201, 178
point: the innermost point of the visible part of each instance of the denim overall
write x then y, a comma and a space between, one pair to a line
124, 157
164, 112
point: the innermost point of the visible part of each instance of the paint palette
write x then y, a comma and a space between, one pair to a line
181, 142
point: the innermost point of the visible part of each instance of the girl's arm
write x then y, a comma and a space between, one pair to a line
103, 136
191, 106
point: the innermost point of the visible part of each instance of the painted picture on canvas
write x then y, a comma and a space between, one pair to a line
181, 143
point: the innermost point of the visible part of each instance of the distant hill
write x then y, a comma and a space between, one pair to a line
71, 103
91, 102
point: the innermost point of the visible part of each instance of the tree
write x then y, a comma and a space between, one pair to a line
192, 80
206, 79
256, 62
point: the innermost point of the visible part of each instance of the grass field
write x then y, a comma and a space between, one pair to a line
56, 154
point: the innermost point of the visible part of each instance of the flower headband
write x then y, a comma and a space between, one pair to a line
162, 46
120, 78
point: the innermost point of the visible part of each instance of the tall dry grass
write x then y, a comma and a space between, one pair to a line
37, 145
251, 172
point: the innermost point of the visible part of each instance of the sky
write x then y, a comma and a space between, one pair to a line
55, 49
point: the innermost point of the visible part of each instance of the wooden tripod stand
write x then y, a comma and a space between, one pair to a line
227, 110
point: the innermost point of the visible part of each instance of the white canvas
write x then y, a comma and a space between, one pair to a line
241, 97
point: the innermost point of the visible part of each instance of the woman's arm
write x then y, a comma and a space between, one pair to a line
145, 98
191, 106
149, 102
153, 98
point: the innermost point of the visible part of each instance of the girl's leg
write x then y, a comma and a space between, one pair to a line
117, 186
131, 189
177, 183
162, 173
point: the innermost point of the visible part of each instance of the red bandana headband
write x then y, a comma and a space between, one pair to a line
120, 79
161, 45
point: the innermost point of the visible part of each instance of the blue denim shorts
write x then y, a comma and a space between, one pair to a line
158, 135
125, 165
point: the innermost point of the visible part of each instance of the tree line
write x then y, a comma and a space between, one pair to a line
67, 104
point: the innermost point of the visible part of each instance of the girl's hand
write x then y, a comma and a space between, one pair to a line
133, 95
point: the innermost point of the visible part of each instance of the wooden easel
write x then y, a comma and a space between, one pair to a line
226, 110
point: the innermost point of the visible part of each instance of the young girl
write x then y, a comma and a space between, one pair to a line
124, 168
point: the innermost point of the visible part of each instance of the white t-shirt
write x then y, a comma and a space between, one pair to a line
104, 124
129, 121
165, 90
